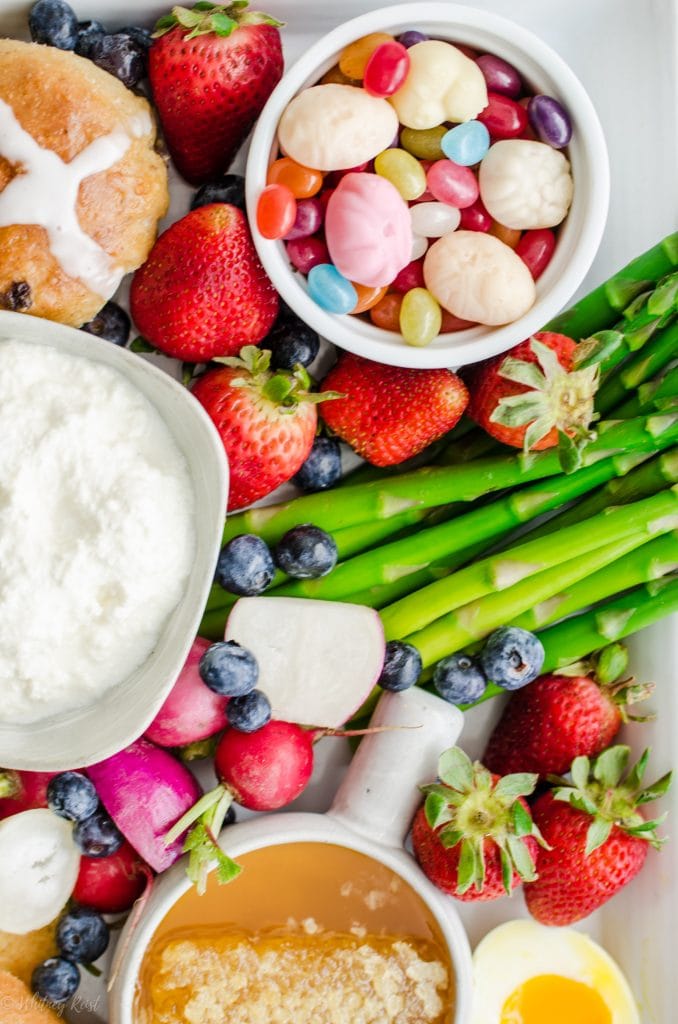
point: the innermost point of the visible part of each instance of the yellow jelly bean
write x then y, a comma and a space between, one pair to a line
423, 143
403, 171
354, 58
420, 317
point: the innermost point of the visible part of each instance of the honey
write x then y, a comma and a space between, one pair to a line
309, 932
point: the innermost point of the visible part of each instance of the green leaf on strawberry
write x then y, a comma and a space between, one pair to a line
208, 18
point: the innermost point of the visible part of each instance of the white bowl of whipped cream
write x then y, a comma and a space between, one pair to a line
113, 490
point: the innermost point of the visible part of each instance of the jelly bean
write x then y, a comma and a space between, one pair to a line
367, 297
443, 85
500, 76
466, 144
330, 289
411, 276
475, 218
509, 236
276, 211
310, 215
453, 184
420, 317
503, 117
452, 323
419, 246
386, 69
411, 37
306, 253
550, 121
354, 58
324, 198
334, 177
433, 220
335, 76
425, 145
386, 313
302, 182
468, 51
535, 249
403, 171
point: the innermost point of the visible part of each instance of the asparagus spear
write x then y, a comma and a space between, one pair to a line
436, 485
659, 393
504, 569
649, 361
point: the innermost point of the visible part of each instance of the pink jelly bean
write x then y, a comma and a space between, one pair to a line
411, 276
306, 253
535, 249
475, 218
368, 229
310, 215
453, 184
503, 117
387, 69
500, 76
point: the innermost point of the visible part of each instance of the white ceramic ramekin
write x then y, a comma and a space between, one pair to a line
578, 238
371, 814
93, 732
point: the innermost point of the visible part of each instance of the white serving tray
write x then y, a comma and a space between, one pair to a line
625, 53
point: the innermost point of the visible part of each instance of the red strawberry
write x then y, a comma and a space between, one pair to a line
390, 413
474, 837
533, 398
598, 840
267, 421
211, 72
202, 292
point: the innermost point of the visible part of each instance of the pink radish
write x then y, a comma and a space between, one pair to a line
111, 884
191, 711
23, 791
146, 790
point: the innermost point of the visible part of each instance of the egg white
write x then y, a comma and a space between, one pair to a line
519, 950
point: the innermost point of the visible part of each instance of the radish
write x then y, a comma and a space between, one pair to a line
23, 791
38, 867
111, 884
145, 790
191, 712
318, 660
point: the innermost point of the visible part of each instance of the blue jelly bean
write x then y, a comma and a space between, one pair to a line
410, 38
330, 289
466, 144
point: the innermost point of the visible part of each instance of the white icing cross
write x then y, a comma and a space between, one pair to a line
45, 192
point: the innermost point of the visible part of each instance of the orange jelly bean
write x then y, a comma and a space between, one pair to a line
367, 297
354, 58
335, 76
509, 236
386, 313
451, 323
276, 211
303, 182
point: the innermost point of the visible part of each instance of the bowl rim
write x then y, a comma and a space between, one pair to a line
521, 47
96, 730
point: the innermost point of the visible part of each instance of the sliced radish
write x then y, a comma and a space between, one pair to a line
39, 864
318, 660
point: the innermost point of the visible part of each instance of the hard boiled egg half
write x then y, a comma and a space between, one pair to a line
526, 973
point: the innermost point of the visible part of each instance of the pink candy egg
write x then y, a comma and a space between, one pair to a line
368, 229
453, 184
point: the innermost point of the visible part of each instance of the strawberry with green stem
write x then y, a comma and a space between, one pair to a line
597, 837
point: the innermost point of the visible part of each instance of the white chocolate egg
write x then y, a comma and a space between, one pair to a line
477, 277
525, 184
332, 127
443, 84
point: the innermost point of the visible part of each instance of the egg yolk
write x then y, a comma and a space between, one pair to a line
552, 999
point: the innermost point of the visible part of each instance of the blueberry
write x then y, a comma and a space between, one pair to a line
97, 836
111, 323
459, 679
230, 815
143, 37
53, 22
72, 795
245, 566
229, 189
82, 935
228, 669
306, 552
291, 341
249, 712
512, 657
121, 56
322, 468
55, 980
402, 666
88, 31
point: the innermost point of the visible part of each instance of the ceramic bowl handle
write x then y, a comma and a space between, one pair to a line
379, 794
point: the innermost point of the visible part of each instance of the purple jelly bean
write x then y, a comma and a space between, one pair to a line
308, 220
410, 38
500, 76
549, 121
